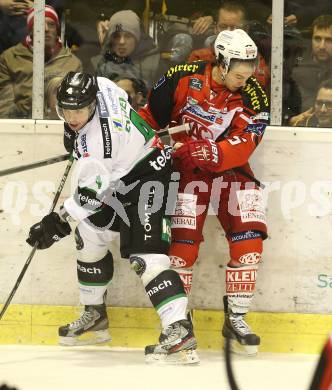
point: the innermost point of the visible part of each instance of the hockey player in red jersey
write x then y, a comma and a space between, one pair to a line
227, 111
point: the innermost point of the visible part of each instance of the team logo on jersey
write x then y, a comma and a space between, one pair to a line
198, 111
117, 123
161, 286
256, 128
196, 84
113, 101
213, 110
102, 108
264, 116
251, 205
99, 182
84, 146
178, 68
248, 235
219, 120
185, 211
105, 131
161, 159
192, 101
159, 82
166, 230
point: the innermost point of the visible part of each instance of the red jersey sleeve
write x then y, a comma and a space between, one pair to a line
168, 95
247, 127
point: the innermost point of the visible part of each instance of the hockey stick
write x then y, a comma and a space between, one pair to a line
27, 263
228, 362
174, 130
322, 378
37, 164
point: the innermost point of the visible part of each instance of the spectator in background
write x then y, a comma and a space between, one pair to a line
316, 64
88, 18
232, 15
13, 22
320, 115
127, 52
107, 10
190, 17
298, 13
13, 14
16, 66
136, 91
181, 27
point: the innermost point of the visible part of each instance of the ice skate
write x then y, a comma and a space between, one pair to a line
243, 340
177, 345
91, 328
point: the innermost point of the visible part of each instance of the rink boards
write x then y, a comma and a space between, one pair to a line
291, 310
138, 327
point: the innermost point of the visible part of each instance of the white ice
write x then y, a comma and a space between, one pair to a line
101, 368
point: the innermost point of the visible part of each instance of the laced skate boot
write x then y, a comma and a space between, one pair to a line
177, 344
90, 328
236, 329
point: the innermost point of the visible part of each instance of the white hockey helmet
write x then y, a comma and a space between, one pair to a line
234, 44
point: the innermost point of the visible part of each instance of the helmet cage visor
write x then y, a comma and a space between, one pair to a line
62, 111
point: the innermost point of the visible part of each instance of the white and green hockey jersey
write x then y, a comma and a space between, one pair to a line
108, 147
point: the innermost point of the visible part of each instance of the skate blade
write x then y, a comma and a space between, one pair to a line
89, 338
181, 357
243, 350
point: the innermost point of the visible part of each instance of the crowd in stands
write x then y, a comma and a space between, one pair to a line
134, 42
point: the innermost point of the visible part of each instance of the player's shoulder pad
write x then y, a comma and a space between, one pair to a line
254, 97
176, 72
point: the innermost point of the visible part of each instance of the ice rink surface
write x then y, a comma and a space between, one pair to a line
101, 368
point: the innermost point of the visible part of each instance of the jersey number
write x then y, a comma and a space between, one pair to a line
140, 124
236, 140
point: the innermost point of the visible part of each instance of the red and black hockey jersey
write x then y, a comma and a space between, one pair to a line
188, 93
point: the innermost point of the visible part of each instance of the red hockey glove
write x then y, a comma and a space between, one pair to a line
204, 154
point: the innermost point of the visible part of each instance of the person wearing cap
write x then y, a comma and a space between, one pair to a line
227, 111
232, 15
127, 52
16, 66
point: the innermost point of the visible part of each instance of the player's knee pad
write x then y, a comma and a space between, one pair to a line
87, 252
162, 284
150, 265
97, 273
246, 248
183, 254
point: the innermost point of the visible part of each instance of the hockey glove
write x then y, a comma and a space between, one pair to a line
203, 154
69, 137
48, 231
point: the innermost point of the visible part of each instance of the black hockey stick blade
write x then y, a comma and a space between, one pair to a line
37, 164
322, 378
228, 361
18, 281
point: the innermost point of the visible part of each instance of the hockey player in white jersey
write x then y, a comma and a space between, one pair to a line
124, 173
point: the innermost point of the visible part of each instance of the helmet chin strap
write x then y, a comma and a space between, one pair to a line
224, 71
